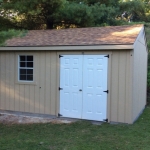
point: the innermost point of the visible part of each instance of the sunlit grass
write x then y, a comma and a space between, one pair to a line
81, 135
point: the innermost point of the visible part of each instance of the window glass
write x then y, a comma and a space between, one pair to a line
25, 68
29, 58
22, 58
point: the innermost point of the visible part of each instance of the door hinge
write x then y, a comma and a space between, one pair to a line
60, 56
60, 88
59, 115
106, 91
106, 120
107, 56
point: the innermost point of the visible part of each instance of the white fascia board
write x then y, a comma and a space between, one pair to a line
54, 48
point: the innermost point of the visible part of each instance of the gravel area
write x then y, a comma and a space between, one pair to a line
20, 119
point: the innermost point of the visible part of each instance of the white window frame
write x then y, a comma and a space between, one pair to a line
27, 81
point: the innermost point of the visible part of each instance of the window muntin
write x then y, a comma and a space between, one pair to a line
26, 68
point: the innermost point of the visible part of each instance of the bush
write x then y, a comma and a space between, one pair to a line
4, 35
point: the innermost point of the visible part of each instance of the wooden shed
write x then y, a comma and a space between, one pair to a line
97, 73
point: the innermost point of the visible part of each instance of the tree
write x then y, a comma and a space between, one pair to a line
49, 14
84, 15
39, 13
92, 2
137, 12
35, 12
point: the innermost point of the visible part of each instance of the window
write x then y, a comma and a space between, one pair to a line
25, 68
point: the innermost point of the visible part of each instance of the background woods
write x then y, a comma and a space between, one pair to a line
45, 14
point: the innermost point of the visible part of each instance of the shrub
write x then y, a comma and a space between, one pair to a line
4, 35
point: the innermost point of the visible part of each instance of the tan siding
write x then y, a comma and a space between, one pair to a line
22, 97
3, 81
12, 81
36, 100
7, 79
27, 98
48, 83
32, 99
114, 87
128, 103
53, 82
139, 78
122, 87
120, 82
42, 82
17, 100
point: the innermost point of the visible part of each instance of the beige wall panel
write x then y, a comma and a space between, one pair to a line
47, 82
12, 81
22, 98
37, 86
42, 82
3, 81
114, 87
128, 102
17, 86
120, 82
122, 87
54, 87
139, 78
27, 98
32, 99
141, 39
136, 83
143, 76
17, 97
7, 81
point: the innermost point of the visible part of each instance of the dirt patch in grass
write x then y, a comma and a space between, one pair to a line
19, 119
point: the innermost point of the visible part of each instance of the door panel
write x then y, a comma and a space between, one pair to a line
71, 82
88, 73
94, 83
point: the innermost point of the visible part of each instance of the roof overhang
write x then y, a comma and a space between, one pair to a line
72, 47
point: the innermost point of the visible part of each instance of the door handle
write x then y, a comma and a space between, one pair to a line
80, 90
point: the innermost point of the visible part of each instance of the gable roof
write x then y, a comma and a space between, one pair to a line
111, 35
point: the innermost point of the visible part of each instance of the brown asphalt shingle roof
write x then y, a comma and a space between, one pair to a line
78, 36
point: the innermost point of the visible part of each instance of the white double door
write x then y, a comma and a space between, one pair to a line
83, 80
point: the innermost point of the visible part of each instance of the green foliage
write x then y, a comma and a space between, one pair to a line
92, 2
147, 29
136, 10
104, 15
33, 14
4, 35
83, 15
6, 24
75, 13
148, 76
42, 14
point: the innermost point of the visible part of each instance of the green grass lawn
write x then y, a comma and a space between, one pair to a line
81, 135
